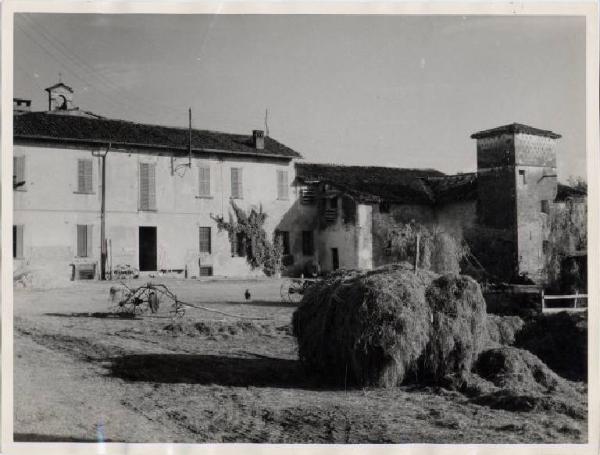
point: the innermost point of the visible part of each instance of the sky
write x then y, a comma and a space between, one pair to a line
403, 91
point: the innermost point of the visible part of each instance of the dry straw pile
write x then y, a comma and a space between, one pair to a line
389, 325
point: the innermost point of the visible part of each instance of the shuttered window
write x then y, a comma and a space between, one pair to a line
204, 181
19, 173
84, 176
18, 241
236, 183
84, 240
282, 185
308, 244
205, 240
147, 186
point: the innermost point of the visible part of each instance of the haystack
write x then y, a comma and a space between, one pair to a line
503, 330
518, 370
382, 327
526, 383
364, 328
458, 328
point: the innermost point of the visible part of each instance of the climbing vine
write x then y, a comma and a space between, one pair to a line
246, 231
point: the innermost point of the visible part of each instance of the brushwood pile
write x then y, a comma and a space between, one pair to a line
393, 326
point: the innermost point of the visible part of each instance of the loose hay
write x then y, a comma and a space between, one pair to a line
526, 383
458, 329
502, 330
380, 328
364, 328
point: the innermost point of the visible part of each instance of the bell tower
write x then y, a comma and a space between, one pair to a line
517, 182
60, 97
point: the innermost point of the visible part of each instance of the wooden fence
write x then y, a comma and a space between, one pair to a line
576, 302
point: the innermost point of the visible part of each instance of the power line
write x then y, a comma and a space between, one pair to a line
75, 69
89, 69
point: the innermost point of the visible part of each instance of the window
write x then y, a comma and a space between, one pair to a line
84, 176
240, 243
206, 270
545, 206
84, 240
17, 241
205, 240
236, 183
308, 244
147, 187
523, 177
284, 238
282, 185
204, 181
19, 173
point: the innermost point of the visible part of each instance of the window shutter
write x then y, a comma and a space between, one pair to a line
204, 181
18, 241
84, 176
88, 241
282, 185
152, 186
18, 169
236, 182
147, 186
81, 240
205, 240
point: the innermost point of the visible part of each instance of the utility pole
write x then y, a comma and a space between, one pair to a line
190, 138
103, 252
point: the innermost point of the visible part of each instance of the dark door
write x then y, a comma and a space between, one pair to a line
147, 248
335, 258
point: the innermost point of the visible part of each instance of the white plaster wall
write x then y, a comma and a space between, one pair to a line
50, 209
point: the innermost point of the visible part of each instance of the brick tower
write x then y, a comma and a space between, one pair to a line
517, 183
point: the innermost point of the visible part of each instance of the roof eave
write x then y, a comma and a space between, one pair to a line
101, 142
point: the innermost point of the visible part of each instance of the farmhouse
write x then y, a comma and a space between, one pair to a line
92, 193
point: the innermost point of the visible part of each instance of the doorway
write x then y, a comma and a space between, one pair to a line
147, 248
335, 258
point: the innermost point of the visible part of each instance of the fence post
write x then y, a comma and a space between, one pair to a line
542, 300
576, 299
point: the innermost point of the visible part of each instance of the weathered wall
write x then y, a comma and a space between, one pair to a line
49, 207
340, 235
456, 217
536, 158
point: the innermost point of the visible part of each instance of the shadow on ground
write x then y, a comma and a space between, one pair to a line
103, 315
210, 369
263, 303
37, 437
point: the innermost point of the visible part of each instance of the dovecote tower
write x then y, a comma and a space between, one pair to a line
517, 182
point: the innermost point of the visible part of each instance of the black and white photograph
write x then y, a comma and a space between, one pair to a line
299, 228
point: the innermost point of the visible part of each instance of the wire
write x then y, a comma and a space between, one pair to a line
49, 47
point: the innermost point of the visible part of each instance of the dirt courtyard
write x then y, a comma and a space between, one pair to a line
83, 375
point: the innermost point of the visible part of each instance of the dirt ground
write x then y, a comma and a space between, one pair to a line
83, 375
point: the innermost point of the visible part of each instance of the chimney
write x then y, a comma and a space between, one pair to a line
258, 139
20, 106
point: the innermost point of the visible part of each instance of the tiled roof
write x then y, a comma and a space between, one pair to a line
514, 128
49, 127
454, 188
372, 183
